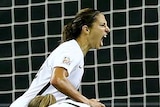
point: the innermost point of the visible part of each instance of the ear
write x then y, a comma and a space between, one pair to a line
85, 29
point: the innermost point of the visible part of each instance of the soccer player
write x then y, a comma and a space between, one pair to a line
61, 73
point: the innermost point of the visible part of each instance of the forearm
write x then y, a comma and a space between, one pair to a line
61, 83
67, 88
64, 86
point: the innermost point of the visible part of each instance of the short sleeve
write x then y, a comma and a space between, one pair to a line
66, 59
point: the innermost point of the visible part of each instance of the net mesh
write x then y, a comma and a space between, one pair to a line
124, 72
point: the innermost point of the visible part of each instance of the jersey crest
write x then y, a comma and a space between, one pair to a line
67, 61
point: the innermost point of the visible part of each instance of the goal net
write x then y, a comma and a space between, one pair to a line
125, 72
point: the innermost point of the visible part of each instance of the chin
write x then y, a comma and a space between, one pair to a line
98, 47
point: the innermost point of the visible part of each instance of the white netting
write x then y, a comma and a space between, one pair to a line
125, 72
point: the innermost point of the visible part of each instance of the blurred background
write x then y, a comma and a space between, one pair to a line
125, 72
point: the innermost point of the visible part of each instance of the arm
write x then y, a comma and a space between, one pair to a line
59, 80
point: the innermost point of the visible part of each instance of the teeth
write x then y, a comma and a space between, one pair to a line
105, 36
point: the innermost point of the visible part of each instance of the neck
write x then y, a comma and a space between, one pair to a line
83, 45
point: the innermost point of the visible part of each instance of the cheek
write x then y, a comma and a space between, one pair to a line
96, 39
98, 35
95, 36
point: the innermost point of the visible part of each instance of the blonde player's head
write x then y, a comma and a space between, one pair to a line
42, 101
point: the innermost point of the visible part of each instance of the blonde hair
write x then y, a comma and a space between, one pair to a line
42, 101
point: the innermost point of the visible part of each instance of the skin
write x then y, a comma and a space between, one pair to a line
90, 38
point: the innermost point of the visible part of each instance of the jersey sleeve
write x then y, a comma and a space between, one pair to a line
66, 59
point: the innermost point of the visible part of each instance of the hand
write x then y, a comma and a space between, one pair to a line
95, 103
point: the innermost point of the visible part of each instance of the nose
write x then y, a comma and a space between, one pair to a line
107, 29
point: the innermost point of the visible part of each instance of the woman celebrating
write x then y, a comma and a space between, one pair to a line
61, 73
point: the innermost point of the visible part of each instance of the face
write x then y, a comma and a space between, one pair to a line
98, 32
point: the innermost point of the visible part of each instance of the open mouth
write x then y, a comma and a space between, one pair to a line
102, 39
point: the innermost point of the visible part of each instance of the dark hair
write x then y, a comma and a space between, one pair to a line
73, 29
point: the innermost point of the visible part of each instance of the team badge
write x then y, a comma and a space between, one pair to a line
67, 60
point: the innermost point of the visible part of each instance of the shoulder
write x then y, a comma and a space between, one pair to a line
70, 44
71, 47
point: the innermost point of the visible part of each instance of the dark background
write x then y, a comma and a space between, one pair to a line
123, 73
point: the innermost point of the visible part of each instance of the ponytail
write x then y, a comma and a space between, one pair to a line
67, 32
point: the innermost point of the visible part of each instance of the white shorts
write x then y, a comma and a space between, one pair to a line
69, 103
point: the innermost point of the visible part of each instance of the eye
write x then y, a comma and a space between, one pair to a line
103, 25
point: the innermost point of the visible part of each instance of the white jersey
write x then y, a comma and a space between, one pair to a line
68, 55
